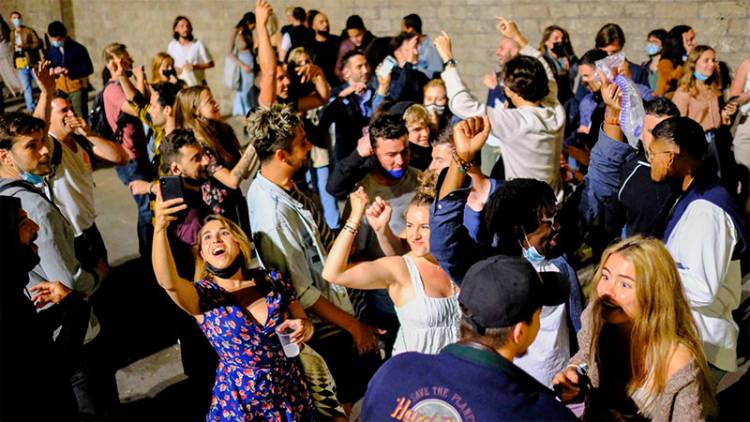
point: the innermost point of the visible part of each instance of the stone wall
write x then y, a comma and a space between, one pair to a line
145, 25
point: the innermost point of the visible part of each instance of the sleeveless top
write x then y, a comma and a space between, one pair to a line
427, 323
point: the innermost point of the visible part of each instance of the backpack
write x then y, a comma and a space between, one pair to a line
98, 118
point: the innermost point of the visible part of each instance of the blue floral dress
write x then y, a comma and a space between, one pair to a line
254, 380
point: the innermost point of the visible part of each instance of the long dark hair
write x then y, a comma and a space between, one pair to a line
174, 25
247, 19
674, 48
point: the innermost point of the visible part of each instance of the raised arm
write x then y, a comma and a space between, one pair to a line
112, 152
181, 291
378, 217
313, 73
365, 275
266, 58
241, 171
47, 89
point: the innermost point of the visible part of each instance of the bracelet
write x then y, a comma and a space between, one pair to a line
351, 229
463, 165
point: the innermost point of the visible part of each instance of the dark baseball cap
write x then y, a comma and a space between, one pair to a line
504, 290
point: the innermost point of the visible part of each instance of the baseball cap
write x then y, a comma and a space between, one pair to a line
503, 290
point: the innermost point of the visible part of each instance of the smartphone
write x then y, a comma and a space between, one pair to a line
171, 187
385, 68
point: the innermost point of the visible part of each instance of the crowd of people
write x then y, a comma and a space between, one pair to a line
404, 250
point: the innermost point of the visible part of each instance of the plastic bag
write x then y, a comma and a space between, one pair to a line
631, 105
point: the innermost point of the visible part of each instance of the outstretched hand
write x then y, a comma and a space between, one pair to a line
470, 135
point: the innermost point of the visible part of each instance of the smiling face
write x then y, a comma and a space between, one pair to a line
61, 110
282, 82
419, 133
218, 246
706, 64
616, 290
208, 108
589, 77
418, 229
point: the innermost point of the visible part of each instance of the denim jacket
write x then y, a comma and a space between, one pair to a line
286, 238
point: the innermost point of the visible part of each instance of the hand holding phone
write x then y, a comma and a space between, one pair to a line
171, 187
386, 67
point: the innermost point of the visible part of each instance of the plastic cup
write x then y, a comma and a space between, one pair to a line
284, 333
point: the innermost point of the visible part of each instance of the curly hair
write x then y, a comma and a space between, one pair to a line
526, 77
272, 129
688, 81
17, 123
515, 208
169, 148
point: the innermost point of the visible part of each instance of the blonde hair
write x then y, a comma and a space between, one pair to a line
434, 83
688, 80
295, 55
245, 245
663, 322
417, 113
186, 117
156, 63
113, 50
272, 24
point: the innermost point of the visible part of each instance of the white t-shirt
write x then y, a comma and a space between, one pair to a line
193, 53
550, 351
73, 188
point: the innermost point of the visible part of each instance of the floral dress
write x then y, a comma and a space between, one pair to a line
254, 380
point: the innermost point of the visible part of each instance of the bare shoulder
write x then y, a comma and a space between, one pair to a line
395, 266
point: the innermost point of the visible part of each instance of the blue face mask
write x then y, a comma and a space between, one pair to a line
531, 254
395, 174
652, 49
32, 178
57, 44
699, 76
17, 22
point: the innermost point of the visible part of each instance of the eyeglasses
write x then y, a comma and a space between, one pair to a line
651, 154
549, 220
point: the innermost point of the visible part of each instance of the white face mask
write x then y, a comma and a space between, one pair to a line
435, 108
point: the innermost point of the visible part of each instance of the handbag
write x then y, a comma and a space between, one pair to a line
231, 71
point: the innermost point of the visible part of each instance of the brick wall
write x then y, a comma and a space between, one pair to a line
145, 26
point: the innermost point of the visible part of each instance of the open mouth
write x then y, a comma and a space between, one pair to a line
218, 251
609, 306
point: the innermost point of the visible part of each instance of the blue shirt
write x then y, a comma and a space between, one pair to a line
463, 382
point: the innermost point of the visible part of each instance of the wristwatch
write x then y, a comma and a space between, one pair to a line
450, 62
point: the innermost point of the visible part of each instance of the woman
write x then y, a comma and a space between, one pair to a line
741, 145
436, 102
699, 97
239, 311
162, 69
424, 296
241, 52
679, 43
640, 343
8, 73
655, 43
558, 51
197, 110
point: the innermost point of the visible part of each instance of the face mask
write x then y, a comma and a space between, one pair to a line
558, 48
228, 271
17, 22
531, 254
437, 109
57, 44
395, 174
32, 178
27, 259
699, 76
652, 49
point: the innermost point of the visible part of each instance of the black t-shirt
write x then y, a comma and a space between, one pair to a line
419, 157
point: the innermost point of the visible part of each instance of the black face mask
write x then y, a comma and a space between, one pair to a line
559, 49
229, 271
27, 258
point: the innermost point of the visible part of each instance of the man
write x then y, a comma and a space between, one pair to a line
123, 123
404, 82
24, 156
191, 57
26, 54
351, 105
25, 335
429, 60
322, 46
70, 186
475, 379
357, 37
521, 218
531, 134
296, 35
505, 52
71, 65
705, 235
290, 234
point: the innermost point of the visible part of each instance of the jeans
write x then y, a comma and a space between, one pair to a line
26, 75
140, 169
319, 178
244, 98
